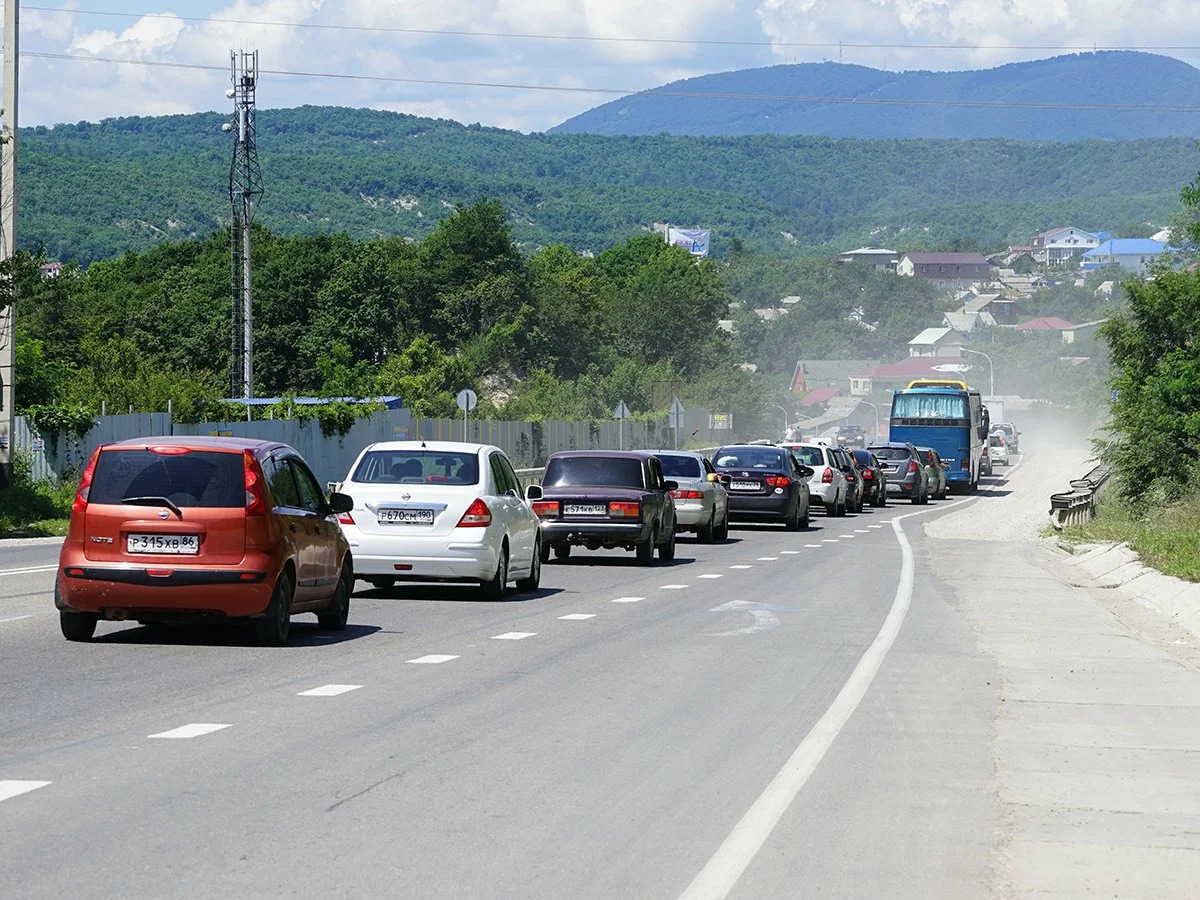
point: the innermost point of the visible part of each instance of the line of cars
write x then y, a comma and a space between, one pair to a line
183, 529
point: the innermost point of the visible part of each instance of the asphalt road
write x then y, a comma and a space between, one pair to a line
736, 723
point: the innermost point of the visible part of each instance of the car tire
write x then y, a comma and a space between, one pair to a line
916, 499
534, 581
667, 551
335, 616
830, 509
543, 552
562, 551
722, 532
493, 589
77, 626
272, 627
802, 521
705, 532
841, 509
925, 498
645, 551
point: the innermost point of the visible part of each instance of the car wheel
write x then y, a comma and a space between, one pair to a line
792, 522
494, 589
722, 532
77, 626
336, 614
705, 532
802, 522
916, 498
841, 509
667, 550
543, 552
925, 497
271, 628
830, 509
562, 551
645, 552
534, 581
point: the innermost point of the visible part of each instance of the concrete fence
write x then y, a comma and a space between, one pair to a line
526, 443
1078, 505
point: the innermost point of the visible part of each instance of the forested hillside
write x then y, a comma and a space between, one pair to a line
89, 191
554, 334
1004, 102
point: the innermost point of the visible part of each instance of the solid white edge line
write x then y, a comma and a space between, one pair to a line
721, 873
15, 619
29, 570
12, 788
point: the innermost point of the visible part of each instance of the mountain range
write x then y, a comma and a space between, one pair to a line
1108, 95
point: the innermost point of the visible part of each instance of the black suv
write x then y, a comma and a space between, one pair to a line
765, 484
851, 436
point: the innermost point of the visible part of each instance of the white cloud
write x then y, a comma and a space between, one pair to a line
992, 31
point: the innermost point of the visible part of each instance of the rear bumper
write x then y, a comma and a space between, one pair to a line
127, 591
445, 558
773, 506
689, 514
825, 493
601, 534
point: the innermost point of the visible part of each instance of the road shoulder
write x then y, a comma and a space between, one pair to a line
1097, 733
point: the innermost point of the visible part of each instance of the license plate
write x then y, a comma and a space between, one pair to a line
744, 486
584, 509
406, 516
180, 544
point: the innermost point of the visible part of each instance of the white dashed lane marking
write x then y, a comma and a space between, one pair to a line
768, 559
329, 690
513, 635
741, 567
14, 619
432, 659
12, 788
829, 541
790, 552
629, 599
813, 546
195, 729
671, 587
710, 575
578, 617
861, 531
874, 526
28, 570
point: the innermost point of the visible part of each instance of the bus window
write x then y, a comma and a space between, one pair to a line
939, 407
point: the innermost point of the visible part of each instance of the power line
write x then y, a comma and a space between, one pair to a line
444, 32
652, 92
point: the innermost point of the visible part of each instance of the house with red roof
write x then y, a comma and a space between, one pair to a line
890, 376
1046, 323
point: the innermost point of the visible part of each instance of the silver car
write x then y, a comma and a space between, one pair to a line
701, 503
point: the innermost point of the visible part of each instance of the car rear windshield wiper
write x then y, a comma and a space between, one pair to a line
155, 501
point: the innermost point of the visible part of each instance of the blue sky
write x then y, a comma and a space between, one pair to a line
982, 32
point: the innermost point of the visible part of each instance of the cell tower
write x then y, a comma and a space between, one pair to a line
245, 189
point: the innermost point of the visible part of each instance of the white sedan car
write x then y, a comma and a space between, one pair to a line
440, 511
701, 503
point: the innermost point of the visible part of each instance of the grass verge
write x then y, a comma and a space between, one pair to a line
1165, 537
31, 508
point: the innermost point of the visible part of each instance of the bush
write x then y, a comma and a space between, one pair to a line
31, 508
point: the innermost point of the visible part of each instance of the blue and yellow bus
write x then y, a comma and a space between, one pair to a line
951, 419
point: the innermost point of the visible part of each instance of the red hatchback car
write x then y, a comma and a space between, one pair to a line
180, 528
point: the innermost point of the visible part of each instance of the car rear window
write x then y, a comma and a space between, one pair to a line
208, 479
863, 457
809, 456
680, 466
890, 452
996, 441
593, 471
417, 467
749, 458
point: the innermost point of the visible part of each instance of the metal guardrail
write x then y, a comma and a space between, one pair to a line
1078, 505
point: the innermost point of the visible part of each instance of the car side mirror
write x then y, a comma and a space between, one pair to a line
806, 472
726, 480
670, 485
340, 503
533, 492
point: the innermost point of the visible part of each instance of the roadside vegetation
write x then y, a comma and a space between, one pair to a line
1166, 537
31, 508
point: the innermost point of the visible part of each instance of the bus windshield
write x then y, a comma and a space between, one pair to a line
930, 406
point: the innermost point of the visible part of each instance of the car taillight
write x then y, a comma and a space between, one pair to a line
170, 451
256, 487
345, 519
625, 509
477, 515
868, 475
545, 508
85, 483
777, 481
827, 476
966, 465
913, 468
687, 495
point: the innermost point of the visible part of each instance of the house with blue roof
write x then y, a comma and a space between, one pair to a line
1132, 254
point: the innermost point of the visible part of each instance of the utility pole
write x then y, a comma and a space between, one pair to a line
8, 235
245, 189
